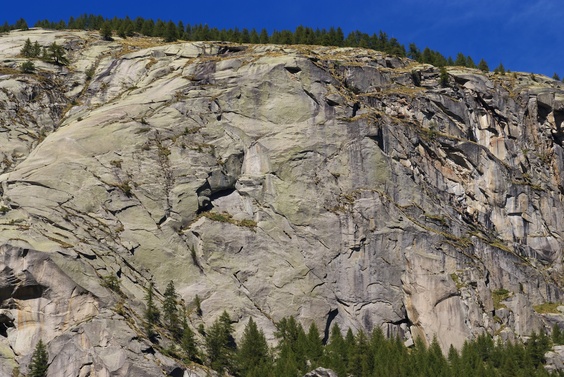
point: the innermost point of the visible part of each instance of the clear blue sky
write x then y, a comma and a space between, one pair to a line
526, 35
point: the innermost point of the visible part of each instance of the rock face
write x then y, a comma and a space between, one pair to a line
336, 185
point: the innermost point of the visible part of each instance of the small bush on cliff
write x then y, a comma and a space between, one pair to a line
443, 77
27, 67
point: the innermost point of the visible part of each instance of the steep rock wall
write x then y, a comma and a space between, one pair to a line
335, 185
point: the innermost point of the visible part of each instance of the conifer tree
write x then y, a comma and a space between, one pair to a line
500, 69
35, 50
171, 32
483, 66
220, 344
253, 356
336, 352
188, 340
106, 31
170, 310
39, 361
291, 346
152, 313
314, 348
28, 67
21, 24
443, 76
254, 37
57, 54
414, 52
263, 37
27, 49
148, 27
198, 305
460, 60
160, 28
436, 362
557, 335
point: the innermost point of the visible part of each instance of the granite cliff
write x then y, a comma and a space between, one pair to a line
336, 185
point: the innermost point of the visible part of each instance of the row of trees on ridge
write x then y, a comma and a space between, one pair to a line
170, 31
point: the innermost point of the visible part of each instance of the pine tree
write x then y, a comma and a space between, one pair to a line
188, 340
335, 356
255, 39
57, 54
170, 310
443, 76
148, 27
151, 312
292, 345
27, 49
263, 36
220, 344
437, 363
21, 24
160, 28
35, 50
500, 69
28, 67
483, 66
39, 361
198, 305
414, 52
314, 350
253, 356
453, 359
170, 34
106, 31
460, 60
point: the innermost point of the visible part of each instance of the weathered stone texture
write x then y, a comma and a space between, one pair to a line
336, 185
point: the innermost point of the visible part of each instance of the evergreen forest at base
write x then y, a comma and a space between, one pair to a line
357, 355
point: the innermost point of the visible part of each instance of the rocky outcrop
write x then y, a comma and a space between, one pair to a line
335, 185
321, 372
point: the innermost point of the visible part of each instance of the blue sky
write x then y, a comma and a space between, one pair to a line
525, 35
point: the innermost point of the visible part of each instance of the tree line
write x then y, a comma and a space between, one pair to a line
298, 352
170, 32
358, 355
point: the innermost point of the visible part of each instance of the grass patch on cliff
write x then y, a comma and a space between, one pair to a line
456, 279
547, 307
225, 217
498, 296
